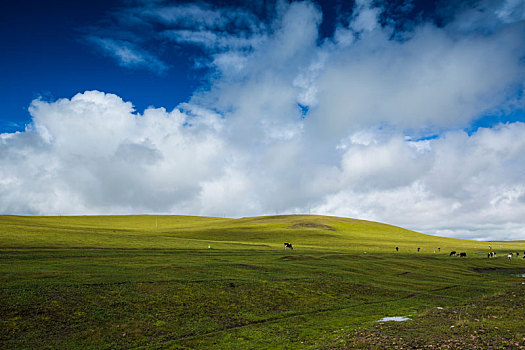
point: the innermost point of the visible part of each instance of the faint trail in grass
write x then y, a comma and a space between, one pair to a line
444, 288
174, 281
287, 317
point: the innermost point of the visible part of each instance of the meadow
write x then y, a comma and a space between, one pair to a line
182, 282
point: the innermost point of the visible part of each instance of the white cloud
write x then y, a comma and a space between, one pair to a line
186, 15
432, 80
200, 16
460, 181
295, 124
130, 34
93, 154
366, 16
128, 54
211, 40
511, 11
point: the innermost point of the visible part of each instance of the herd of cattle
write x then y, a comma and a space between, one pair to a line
453, 253
509, 256
491, 254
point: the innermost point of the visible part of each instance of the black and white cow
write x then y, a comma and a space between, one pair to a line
462, 255
288, 245
453, 253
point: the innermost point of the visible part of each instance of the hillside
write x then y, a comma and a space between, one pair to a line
306, 232
148, 282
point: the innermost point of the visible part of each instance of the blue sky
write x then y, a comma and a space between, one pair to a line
46, 55
406, 112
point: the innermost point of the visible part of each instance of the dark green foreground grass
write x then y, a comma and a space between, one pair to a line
105, 283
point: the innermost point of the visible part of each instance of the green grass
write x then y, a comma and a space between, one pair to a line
110, 282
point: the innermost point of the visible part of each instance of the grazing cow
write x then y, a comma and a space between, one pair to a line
509, 256
397, 249
288, 245
418, 249
452, 253
462, 255
439, 249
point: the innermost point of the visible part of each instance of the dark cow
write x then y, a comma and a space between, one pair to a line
462, 254
418, 249
288, 245
397, 249
452, 253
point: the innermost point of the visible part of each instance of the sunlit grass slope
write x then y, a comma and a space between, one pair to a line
150, 282
305, 232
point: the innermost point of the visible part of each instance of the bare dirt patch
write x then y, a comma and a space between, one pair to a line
312, 225
299, 257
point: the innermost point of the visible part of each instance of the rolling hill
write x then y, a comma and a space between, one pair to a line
151, 282
306, 232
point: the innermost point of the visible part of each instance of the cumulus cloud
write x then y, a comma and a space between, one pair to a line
432, 80
365, 16
92, 153
457, 185
361, 124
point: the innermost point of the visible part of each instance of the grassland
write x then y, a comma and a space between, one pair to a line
114, 282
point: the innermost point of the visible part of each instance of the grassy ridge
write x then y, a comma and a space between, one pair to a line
175, 232
151, 282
